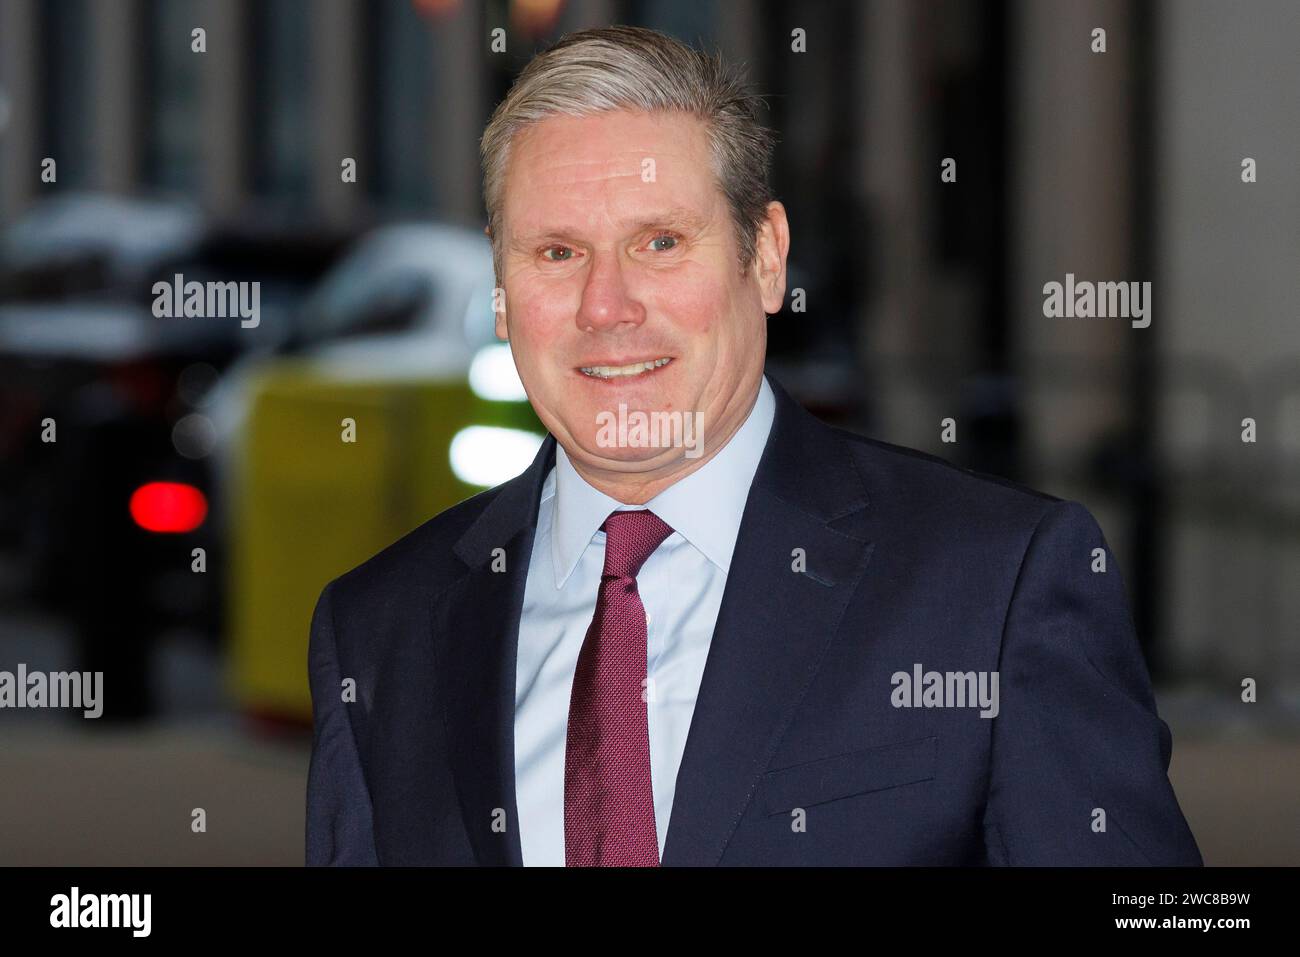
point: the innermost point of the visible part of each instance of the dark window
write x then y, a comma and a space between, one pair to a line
170, 98
65, 123
691, 21
280, 152
397, 106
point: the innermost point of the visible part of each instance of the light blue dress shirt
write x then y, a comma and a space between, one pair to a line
681, 587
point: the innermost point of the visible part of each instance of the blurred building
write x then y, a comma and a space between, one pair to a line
924, 303
925, 297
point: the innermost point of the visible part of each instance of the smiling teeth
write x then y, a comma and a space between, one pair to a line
636, 368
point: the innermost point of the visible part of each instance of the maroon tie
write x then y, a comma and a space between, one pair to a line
609, 808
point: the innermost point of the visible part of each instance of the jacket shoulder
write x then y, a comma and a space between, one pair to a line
930, 490
417, 563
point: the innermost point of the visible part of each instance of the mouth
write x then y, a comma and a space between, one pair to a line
630, 370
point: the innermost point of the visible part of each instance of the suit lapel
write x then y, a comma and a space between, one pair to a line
476, 638
773, 627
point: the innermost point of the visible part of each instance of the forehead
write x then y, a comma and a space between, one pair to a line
568, 171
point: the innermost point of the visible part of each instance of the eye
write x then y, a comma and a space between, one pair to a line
551, 259
665, 236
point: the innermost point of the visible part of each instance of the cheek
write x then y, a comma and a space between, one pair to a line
535, 325
725, 316
695, 308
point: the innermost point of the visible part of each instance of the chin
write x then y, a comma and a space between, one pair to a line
625, 458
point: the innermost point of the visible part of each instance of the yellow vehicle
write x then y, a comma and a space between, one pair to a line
344, 448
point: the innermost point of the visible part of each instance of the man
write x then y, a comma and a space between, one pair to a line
722, 633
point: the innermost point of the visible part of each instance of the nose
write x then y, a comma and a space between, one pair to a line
607, 303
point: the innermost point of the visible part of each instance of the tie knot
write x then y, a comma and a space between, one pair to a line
630, 538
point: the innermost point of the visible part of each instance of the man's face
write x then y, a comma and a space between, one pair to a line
618, 250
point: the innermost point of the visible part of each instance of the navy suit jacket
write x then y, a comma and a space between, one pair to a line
797, 752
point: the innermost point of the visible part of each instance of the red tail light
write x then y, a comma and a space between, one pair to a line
168, 507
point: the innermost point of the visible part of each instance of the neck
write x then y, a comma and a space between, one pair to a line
637, 488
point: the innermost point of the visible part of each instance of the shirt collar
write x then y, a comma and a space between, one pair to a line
705, 508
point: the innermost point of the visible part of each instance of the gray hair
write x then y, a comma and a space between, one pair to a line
634, 68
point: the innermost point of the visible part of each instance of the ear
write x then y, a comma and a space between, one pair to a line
498, 296
499, 299
772, 248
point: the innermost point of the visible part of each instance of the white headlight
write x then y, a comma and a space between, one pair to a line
487, 455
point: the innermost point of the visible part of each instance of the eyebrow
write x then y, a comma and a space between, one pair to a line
676, 216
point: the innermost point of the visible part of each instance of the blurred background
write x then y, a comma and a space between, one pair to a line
174, 492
